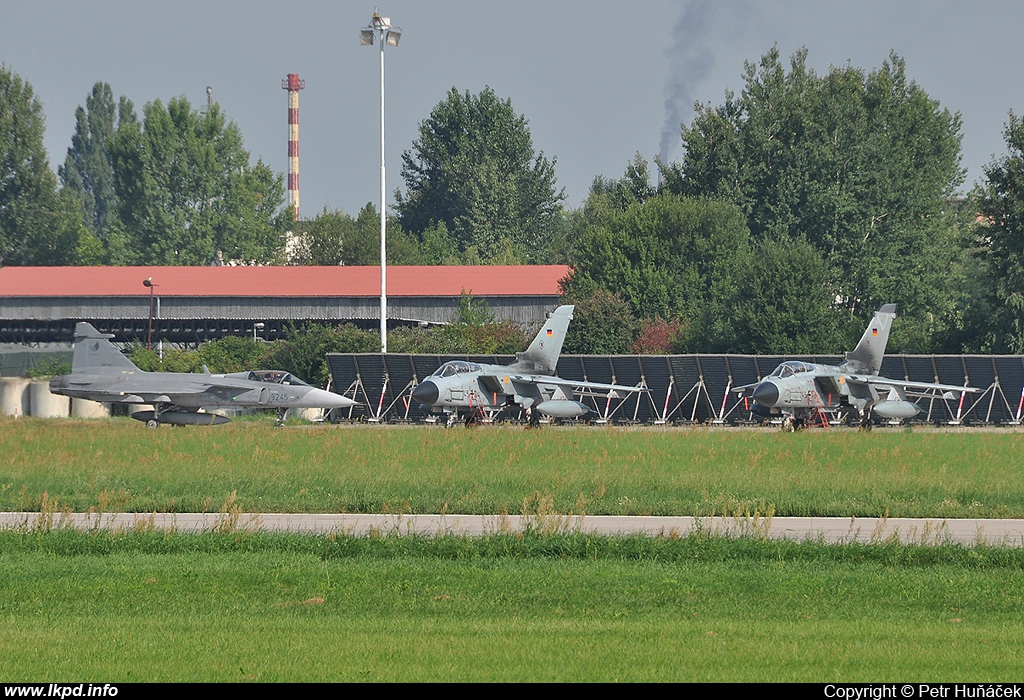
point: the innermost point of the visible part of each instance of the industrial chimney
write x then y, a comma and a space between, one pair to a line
292, 84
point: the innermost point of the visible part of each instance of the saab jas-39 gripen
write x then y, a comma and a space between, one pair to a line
795, 389
529, 383
100, 372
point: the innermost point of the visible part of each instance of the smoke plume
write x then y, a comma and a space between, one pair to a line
691, 60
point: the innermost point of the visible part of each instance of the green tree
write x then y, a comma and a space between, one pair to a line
473, 170
363, 245
38, 226
633, 188
438, 247
783, 304
1000, 200
603, 322
335, 238
304, 352
670, 257
320, 241
187, 189
87, 170
860, 165
232, 354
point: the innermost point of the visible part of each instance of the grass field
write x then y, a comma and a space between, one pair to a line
118, 465
244, 606
154, 607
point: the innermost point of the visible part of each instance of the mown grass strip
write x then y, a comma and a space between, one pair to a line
214, 607
116, 465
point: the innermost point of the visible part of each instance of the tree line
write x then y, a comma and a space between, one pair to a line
799, 206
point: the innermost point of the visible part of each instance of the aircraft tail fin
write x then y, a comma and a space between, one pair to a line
867, 356
542, 355
93, 350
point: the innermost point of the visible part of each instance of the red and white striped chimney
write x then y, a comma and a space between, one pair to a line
292, 84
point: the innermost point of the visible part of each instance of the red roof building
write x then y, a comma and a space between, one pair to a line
196, 303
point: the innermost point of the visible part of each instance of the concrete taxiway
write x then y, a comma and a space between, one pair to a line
928, 531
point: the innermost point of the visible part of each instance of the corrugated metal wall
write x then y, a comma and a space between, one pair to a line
194, 319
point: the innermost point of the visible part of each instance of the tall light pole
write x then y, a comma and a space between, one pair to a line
386, 34
148, 282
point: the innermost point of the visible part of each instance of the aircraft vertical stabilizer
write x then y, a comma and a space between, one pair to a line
867, 356
542, 355
94, 351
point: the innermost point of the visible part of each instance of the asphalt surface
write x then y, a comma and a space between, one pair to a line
928, 531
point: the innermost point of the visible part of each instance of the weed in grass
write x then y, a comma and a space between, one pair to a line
738, 519
48, 510
540, 516
230, 515
110, 501
144, 525
879, 530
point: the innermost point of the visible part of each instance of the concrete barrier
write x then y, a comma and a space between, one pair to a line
43, 404
14, 400
84, 408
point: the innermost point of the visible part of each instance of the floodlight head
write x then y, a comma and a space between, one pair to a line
394, 36
148, 282
366, 37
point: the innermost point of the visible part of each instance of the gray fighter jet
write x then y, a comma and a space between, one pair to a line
529, 382
100, 372
797, 391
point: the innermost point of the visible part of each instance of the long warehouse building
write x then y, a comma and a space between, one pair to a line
194, 304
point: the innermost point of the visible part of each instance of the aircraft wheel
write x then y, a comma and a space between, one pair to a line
151, 424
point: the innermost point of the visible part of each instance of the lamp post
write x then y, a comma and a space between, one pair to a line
258, 326
148, 282
386, 34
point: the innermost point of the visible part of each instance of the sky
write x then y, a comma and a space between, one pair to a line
597, 80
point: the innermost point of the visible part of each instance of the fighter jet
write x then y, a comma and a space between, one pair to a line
529, 383
796, 391
100, 372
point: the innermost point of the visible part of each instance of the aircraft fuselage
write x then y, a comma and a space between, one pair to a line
468, 385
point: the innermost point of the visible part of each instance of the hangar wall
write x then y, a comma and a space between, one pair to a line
687, 389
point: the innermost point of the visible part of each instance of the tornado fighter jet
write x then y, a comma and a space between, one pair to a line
797, 390
100, 372
528, 383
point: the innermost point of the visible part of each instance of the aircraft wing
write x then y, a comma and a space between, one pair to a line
190, 392
916, 388
575, 385
745, 390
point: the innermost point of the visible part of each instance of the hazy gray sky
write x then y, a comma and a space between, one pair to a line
597, 80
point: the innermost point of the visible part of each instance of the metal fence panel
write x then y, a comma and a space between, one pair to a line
685, 388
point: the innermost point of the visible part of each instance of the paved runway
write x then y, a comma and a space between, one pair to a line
831, 530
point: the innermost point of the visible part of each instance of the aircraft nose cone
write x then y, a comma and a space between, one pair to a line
426, 392
319, 398
766, 393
